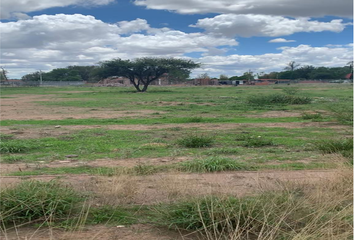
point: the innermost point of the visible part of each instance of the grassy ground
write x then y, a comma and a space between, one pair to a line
212, 129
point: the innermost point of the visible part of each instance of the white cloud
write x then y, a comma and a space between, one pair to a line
16, 9
304, 8
51, 41
304, 54
280, 40
248, 25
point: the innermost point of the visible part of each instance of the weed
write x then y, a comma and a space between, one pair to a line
110, 215
196, 141
277, 99
312, 116
16, 146
293, 211
213, 164
4, 136
34, 200
12, 158
343, 113
342, 146
291, 90
254, 141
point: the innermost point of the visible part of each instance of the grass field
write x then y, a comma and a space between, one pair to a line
178, 158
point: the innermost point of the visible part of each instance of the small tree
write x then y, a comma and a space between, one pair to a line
143, 71
223, 77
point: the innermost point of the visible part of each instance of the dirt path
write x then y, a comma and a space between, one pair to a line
24, 107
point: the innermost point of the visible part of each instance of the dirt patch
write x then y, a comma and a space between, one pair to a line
24, 107
167, 187
133, 232
23, 132
276, 114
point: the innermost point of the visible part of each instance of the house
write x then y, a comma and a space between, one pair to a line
205, 81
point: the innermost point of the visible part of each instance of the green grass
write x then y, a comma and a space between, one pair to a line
196, 141
341, 146
214, 164
35, 200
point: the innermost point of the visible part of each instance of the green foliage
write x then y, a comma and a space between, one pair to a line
110, 215
343, 113
291, 90
341, 146
143, 71
17, 146
277, 99
248, 140
12, 158
312, 116
196, 141
213, 164
34, 200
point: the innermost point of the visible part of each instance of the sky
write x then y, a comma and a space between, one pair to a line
227, 37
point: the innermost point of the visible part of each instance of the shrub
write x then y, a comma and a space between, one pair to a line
277, 99
34, 200
213, 164
196, 141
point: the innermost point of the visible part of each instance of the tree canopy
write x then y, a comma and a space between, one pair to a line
143, 71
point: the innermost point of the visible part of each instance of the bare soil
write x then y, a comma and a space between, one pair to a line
24, 107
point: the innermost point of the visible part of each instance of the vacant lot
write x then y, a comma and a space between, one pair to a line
136, 159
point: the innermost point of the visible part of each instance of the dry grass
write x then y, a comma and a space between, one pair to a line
321, 210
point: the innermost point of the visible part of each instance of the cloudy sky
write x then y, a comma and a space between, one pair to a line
227, 36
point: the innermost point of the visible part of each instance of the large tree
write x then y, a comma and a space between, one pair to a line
143, 71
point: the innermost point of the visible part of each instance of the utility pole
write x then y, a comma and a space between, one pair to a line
40, 78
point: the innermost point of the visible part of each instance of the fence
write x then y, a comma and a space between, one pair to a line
19, 83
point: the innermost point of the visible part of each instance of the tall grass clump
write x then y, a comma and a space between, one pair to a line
277, 99
321, 210
213, 164
30, 201
341, 146
17, 146
195, 141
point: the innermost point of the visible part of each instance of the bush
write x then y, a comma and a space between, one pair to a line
213, 164
277, 99
34, 200
195, 141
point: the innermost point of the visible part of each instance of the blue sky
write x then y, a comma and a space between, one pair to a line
227, 36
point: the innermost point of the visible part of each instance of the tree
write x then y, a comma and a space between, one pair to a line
291, 66
143, 71
203, 76
3, 75
223, 77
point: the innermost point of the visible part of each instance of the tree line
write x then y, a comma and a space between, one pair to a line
142, 71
